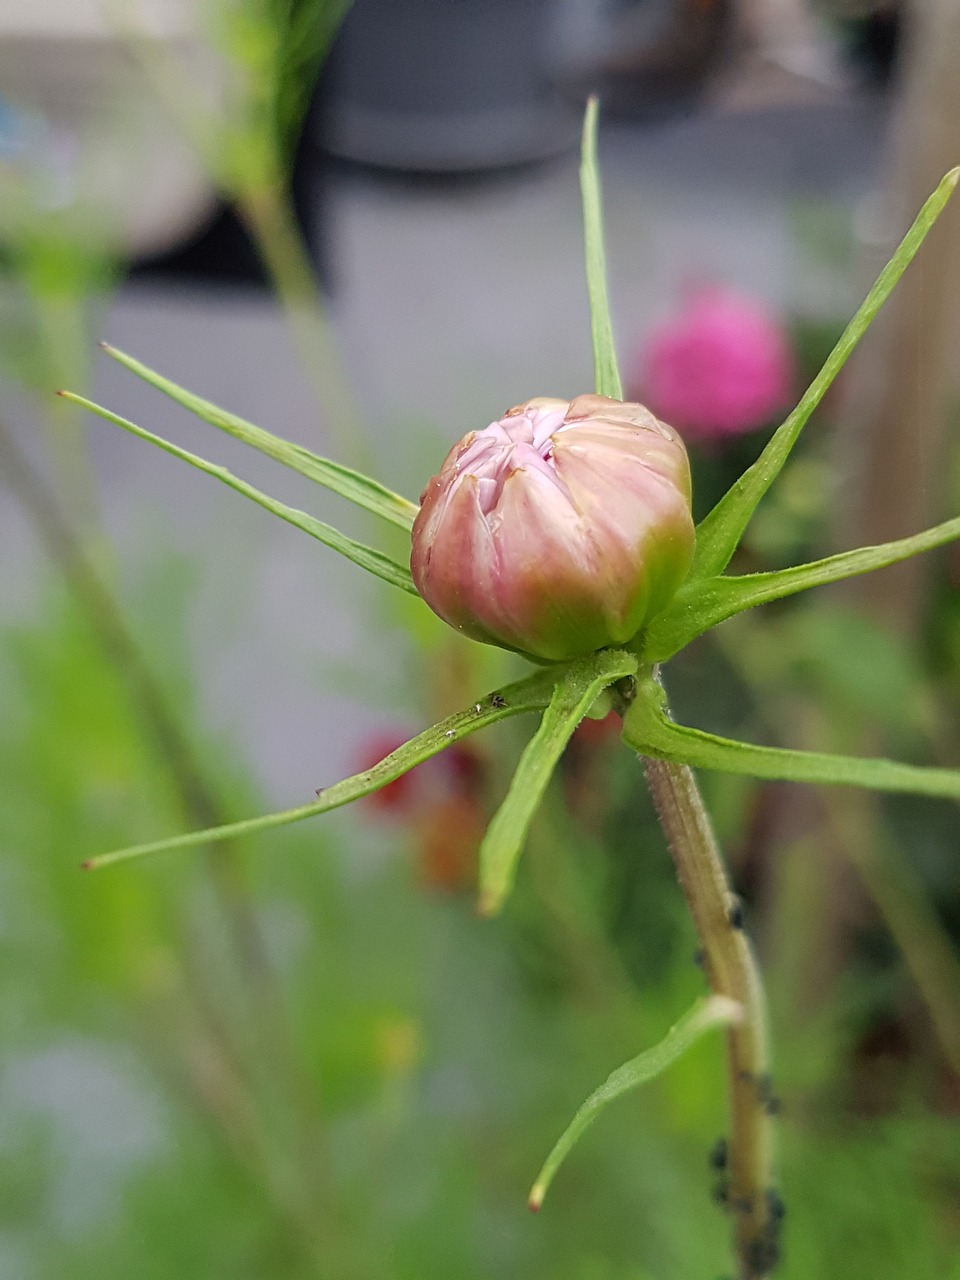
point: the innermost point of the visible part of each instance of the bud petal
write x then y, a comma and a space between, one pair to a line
558, 530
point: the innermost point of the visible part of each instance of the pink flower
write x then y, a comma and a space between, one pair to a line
721, 367
559, 529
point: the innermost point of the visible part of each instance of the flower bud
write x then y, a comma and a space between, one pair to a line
558, 530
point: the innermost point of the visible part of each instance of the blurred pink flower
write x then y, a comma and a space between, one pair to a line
722, 366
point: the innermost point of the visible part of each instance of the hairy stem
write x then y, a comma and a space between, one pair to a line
731, 971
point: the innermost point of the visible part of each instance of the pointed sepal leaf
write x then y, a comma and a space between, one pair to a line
720, 531
574, 693
648, 728
375, 562
714, 1011
531, 694
352, 485
701, 604
606, 372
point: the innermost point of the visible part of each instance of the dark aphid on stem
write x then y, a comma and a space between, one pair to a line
498, 701
771, 1104
763, 1254
778, 1210
700, 958
719, 1154
735, 914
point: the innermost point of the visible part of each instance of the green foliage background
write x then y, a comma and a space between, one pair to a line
295, 1058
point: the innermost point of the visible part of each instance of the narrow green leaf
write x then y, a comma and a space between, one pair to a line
375, 562
650, 731
701, 604
574, 693
605, 371
352, 485
720, 531
715, 1011
531, 694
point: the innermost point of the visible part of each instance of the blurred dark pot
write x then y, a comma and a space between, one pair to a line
446, 86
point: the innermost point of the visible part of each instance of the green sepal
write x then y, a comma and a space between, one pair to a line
648, 729
530, 694
349, 484
714, 1011
719, 533
574, 693
605, 371
701, 604
398, 575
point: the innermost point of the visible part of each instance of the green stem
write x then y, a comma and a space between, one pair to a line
65, 335
732, 972
270, 221
161, 724
904, 904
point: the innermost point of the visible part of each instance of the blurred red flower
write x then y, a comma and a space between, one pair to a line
397, 798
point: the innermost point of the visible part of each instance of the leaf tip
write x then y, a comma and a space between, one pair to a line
88, 864
489, 903
535, 1200
952, 177
590, 114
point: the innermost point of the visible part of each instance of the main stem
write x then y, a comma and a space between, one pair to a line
731, 971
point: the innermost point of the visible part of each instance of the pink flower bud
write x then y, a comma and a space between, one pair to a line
722, 366
558, 530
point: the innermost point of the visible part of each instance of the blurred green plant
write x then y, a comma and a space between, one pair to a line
271, 52
566, 692
442, 1062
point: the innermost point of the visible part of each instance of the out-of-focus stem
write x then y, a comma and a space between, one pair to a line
64, 333
901, 384
199, 803
121, 648
731, 971
269, 219
244, 158
853, 819
899, 894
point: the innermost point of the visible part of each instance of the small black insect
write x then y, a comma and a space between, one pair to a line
498, 701
719, 1155
735, 915
762, 1256
771, 1104
778, 1210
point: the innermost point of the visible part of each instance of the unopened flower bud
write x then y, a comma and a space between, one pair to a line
558, 530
